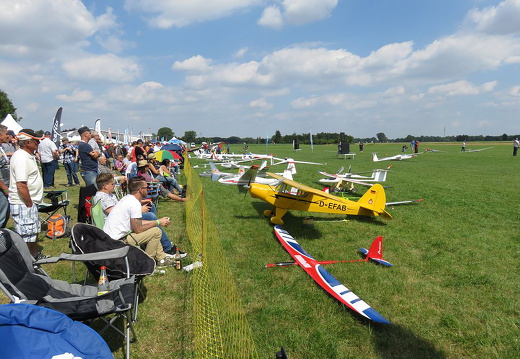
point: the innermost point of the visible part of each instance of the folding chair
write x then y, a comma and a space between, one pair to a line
97, 215
89, 239
22, 280
53, 201
154, 191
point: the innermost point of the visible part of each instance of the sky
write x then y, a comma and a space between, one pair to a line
249, 68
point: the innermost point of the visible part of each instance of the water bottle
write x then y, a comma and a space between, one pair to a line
103, 281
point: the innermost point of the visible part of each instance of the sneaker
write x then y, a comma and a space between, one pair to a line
173, 250
166, 262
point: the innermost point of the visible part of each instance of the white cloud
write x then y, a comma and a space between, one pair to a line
306, 11
461, 88
499, 19
261, 103
107, 67
515, 91
271, 17
33, 27
77, 96
195, 63
179, 13
241, 52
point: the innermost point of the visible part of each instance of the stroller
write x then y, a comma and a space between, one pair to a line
23, 280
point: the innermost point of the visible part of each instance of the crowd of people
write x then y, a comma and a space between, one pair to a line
132, 218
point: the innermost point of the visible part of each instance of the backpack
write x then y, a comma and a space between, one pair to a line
57, 226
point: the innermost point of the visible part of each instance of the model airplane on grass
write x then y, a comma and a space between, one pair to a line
288, 194
347, 195
255, 174
330, 284
404, 156
346, 181
477, 150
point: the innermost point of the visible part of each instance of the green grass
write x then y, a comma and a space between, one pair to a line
453, 291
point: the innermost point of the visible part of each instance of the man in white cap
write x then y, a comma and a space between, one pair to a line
26, 189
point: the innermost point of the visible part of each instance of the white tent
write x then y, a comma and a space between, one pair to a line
11, 124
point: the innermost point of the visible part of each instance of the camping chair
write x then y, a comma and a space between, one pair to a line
53, 201
154, 191
85, 194
22, 280
97, 215
29, 331
89, 239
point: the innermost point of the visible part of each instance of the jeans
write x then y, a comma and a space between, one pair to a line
48, 173
70, 168
89, 177
165, 241
4, 210
170, 183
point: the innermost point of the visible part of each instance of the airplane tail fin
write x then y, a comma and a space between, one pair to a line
288, 174
375, 252
373, 202
215, 173
374, 157
250, 175
380, 175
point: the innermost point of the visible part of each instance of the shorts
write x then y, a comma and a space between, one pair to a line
26, 221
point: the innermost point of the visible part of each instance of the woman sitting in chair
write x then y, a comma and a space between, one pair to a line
143, 170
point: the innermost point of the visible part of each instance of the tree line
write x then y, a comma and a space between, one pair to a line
320, 138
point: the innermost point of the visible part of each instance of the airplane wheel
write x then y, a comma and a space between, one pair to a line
276, 220
268, 213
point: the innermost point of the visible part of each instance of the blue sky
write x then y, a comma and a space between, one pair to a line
251, 67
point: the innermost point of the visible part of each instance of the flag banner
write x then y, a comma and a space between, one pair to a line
56, 128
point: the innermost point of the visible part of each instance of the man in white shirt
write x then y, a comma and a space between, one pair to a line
125, 217
26, 189
48, 156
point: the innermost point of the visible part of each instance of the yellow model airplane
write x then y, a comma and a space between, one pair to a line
289, 194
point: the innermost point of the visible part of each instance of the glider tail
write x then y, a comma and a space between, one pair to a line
373, 202
380, 175
375, 252
215, 173
374, 157
250, 175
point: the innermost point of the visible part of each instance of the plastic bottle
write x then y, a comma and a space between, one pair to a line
103, 281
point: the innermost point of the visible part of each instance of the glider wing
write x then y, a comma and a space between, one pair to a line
325, 279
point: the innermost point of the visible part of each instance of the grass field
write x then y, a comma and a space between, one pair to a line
453, 291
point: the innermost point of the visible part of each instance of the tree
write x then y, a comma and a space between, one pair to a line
381, 137
190, 136
6, 107
277, 138
166, 133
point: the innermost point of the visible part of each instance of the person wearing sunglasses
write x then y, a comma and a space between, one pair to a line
26, 189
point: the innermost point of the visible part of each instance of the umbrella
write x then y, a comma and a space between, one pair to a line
165, 154
171, 147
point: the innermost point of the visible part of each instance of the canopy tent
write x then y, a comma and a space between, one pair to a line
11, 124
175, 140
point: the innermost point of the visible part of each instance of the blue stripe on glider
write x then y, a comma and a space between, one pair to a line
375, 316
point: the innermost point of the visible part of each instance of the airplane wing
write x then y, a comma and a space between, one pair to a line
325, 279
301, 187
404, 202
